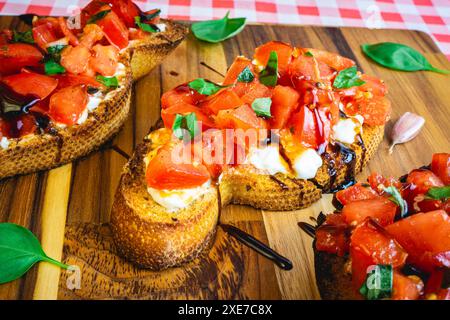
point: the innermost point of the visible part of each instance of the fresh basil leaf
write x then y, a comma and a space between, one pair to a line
54, 52
396, 197
398, 56
269, 76
439, 193
19, 251
205, 87
98, 16
378, 284
261, 106
150, 16
185, 122
246, 75
348, 78
218, 30
144, 26
110, 82
308, 54
24, 37
52, 67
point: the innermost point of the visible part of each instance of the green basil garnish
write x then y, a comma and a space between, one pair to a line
246, 75
308, 54
396, 197
218, 30
378, 284
110, 82
24, 37
52, 67
187, 122
151, 16
205, 87
261, 106
19, 251
269, 76
98, 16
54, 52
143, 26
348, 78
439, 193
398, 57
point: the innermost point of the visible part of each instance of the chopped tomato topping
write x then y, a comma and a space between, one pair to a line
28, 83
104, 60
44, 34
376, 179
406, 288
67, 104
73, 40
126, 10
18, 126
75, 59
380, 209
67, 80
13, 57
254, 91
331, 59
114, 29
356, 192
425, 236
373, 84
284, 52
182, 93
304, 126
374, 109
242, 117
168, 115
225, 99
422, 180
284, 102
92, 33
333, 235
440, 165
5, 36
308, 68
164, 173
239, 64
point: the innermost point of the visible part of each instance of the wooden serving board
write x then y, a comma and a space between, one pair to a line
71, 205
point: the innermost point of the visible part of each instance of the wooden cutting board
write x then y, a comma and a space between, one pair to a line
71, 205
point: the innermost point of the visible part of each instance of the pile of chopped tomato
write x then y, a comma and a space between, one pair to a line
373, 231
303, 101
81, 53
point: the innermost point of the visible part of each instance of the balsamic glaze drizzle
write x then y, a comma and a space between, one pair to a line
309, 229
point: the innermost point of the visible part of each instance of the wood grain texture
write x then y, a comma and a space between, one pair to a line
94, 179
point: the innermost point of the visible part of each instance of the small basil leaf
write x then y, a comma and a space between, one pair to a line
398, 57
98, 16
378, 284
439, 193
205, 87
52, 67
110, 82
246, 75
186, 122
348, 78
261, 106
396, 197
150, 16
24, 37
19, 251
144, 26
218, 30
308, 54
269, 76
54, 52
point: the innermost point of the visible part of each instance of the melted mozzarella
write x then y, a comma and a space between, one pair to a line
120, 71
267, 159
307, 164
346, 129
94, 101
4, 143
174, 200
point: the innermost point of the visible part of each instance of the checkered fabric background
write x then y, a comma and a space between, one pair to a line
431, 16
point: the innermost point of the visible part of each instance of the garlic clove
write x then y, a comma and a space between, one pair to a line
406, 128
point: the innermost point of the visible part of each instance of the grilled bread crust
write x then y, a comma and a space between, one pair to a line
45, 151
150, 236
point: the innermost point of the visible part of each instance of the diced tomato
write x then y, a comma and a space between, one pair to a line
239, 64
164, 173
374, 85
182, 93
67, 80
6, 36
73, 40
427, 205
168, 115
333, 235
114, 29
304, 126
225, 99
356, 192
43, 34
425, 236
380, 209
422, 180
331, 59
406, 288
242, 117
90, 9
307, 68
67, 104
376, 179
92, 33
18, 126
28, 83
284, 102
440, 165
13, 57
375, 110
136, 34
370, 244
126, 10
254, 91
284, 52
105, 59
323, 122
75, 59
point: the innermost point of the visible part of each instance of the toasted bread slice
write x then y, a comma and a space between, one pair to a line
147, 234
37, 152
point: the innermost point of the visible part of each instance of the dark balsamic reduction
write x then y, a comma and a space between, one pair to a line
309, 229
282, 185
27, 18
341, 156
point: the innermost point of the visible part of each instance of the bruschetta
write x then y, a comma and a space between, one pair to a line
65, 87
276, 133
390, 238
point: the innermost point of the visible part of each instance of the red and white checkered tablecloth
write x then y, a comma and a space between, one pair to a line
431, 16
